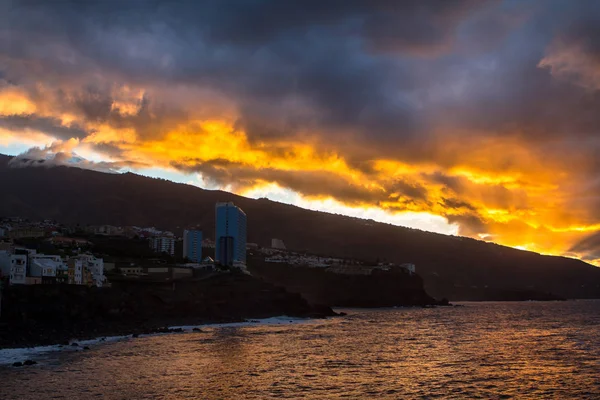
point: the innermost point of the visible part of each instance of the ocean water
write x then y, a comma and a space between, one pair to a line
529, 350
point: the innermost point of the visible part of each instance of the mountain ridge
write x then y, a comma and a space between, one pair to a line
451, 266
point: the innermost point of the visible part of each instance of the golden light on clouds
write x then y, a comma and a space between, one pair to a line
484, 197
14, 102
497, 187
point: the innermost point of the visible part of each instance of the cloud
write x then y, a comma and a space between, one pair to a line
61, 153
480, 112
575, 54
588, 248
48, 125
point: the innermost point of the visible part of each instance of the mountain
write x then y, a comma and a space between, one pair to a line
457, 268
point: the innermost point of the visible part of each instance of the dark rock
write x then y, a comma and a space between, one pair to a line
196, 330
342, 314
86, 348
29, 362
381, 288
17, 364
444, 302
71, 311
135, 335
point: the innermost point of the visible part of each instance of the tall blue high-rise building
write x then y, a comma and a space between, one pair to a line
230, 235
192, 245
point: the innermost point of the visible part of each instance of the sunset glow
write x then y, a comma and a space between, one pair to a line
492, 139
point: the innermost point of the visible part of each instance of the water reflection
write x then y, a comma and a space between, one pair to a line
486, 350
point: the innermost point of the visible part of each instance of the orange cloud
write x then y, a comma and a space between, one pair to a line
496, 189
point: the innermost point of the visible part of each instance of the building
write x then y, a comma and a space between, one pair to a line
163, 244
192, 245
45, 268
27, 232
409, 267
225, 250
42, 265
18, 270
277, 244
230, 235
5, 260
93, 270
68, 242
208, 244
75, 271
48, 267
108, 230
9, 247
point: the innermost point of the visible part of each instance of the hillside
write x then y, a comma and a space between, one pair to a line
451, 267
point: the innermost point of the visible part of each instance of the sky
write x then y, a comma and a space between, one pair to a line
467, 117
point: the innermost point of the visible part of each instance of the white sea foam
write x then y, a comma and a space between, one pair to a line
10, 356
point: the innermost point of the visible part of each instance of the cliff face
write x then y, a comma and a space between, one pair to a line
450, 266
48, 314
317, 285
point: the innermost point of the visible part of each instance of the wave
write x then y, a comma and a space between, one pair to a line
10, 356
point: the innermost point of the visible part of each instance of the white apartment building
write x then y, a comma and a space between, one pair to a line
95, 266
14, 266
18, 269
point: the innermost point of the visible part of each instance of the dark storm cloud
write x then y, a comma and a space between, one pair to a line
574, 54
48, 125
263, 53
588, 247
311, 183
97, 104
456, 204
469, 224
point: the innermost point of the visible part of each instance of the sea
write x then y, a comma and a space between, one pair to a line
489, 350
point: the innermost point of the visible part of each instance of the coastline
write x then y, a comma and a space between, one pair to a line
10, 355
54, 314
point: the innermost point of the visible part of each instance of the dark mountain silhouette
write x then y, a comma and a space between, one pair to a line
452, 267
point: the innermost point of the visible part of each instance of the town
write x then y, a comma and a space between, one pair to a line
47, 252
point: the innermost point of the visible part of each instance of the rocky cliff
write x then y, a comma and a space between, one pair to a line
320, 285
49, 314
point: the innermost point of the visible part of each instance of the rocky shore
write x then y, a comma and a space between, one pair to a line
58, 314
395, 287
